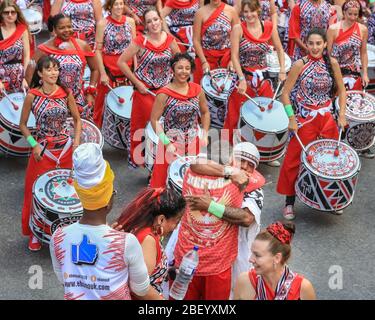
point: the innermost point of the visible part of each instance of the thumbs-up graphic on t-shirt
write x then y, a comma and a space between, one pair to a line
85, 252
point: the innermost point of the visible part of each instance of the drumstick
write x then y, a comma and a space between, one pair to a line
225, 81
184, 44
253, 101
308, 157
336, 153
270, 105
14, 105
120, 99
150, 92
48, 140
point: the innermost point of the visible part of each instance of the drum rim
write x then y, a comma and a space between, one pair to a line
288, 64
361, 120
221, 96
349, 175
130, 103
175, 161
101, 143
16, 125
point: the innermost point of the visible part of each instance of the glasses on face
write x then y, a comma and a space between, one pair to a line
11, 12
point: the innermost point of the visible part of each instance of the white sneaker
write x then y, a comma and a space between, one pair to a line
338, 212
288, 212
274, 163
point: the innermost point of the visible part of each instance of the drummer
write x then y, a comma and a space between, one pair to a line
213, 24
250, 46
73, 54
113, 36
347, 42
137, 8
153, 51
14, 47
184, 107
50, 102
316, 79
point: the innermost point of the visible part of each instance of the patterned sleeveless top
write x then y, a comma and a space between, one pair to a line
266, 10
181, 116
11, 67
83, 18
347, 48
183, 16
217, 35
252, 51
371, 29
313, 88
140, 6
154, 68
117, 37
50, 113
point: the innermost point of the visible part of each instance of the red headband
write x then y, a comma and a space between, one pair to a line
352, 4
280, 233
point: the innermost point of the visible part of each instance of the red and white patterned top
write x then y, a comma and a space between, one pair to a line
117, 36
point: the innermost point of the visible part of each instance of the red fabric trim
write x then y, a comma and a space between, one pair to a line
212, 18
79, 1
115, 22
265, 37
8, 42
294, 23
253, 279
177, 4
140, 41
110, 61
344, 35
143, 233
60, 93
194, 91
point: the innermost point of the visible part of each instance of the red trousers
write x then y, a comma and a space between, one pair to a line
141, 112
164, 159
99, 105
322, 126
33, 171
215, 287
236, 100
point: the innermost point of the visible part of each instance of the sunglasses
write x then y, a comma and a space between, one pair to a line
7, 13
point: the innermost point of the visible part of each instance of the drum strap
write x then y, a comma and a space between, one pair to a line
50, 155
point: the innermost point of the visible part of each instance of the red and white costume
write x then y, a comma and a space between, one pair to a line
117, 37
313, 102
139, 7
252, 55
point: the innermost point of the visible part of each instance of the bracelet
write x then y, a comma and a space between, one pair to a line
164, 139
216, 209
204, 62
32, 142
289, 110
241, 78
90, 90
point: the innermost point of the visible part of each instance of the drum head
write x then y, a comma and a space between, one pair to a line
360, 106
221, 79
326, 165
13, 116
54, 192
271, 120
177, 169
34, 19
273, 62
123, 110
371, 55
90, 132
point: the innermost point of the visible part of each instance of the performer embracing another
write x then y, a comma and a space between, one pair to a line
183, 105
51, 104
154, 51
270, 278
315, 78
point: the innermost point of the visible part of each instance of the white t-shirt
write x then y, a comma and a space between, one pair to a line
98, 262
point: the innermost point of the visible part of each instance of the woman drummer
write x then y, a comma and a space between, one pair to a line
72, 54
211, 36
51, 103
153, 51
316, 79
151, 216
271, 277
85, 14
14, 47
113, 36
250, 46
137, 8
184, 107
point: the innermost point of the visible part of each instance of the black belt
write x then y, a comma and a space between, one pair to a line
348, 72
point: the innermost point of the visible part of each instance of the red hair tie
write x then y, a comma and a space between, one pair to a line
278, 231
156, 194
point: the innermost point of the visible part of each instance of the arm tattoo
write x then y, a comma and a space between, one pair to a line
235, 215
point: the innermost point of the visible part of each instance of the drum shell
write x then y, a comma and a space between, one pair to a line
273, 67
176, 172
34, 20
86, 134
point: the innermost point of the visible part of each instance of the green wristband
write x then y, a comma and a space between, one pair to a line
289, 110
32, 142
216, 209
164, 139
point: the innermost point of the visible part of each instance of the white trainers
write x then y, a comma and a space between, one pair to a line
338, 212
274, 163
288, 212
368, 154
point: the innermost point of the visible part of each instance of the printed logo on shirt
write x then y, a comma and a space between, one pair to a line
85, 252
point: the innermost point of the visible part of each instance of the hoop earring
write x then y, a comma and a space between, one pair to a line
41, 82
157, 230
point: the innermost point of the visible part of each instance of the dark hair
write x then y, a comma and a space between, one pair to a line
147, 205
345, 4
183, 56
44, 63
108, 5
275, 245
321, 32
149, 9
53, 21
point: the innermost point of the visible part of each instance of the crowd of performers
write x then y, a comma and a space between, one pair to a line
158, 47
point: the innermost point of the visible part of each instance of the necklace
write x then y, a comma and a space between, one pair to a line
49, 93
